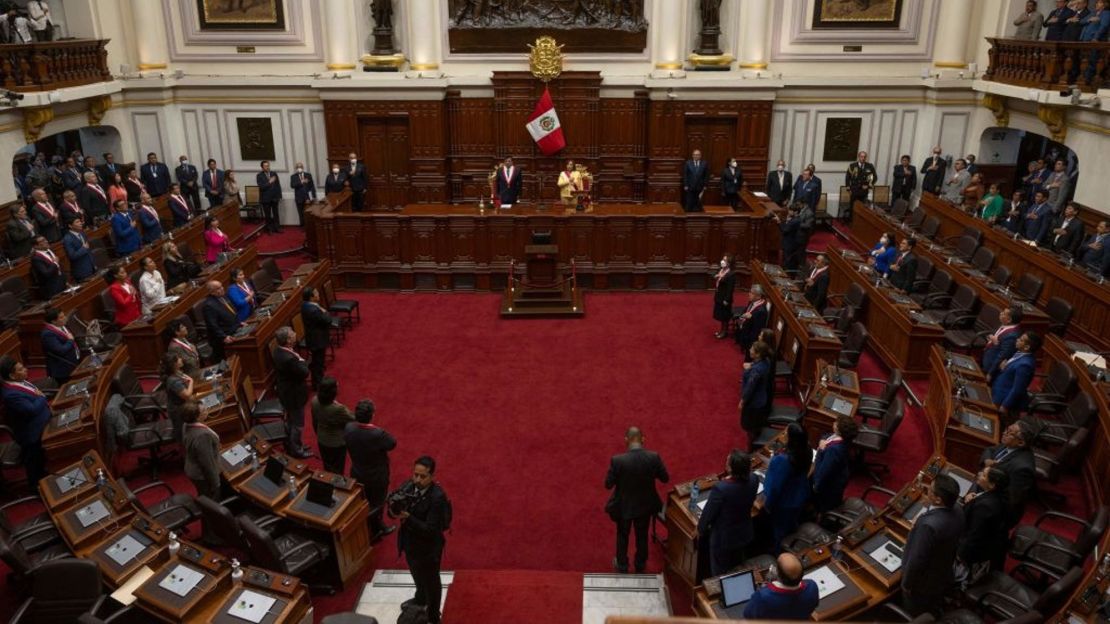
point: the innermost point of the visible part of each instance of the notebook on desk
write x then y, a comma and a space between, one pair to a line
234, 455
210, 400
251, 606
975, 421
271, 480
838, 405
181, 580
80, 387
827, 580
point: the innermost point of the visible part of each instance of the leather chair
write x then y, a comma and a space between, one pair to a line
1057, 389
204, 350
930, 228
854, 508
336, 306
899, 208
974, 337
144, 405
197, 314
1073, 415
10, 307
92, 615
925, 271
17, 286
263, 285
220, 521
967, 616
974, 233
11, 455
34, 531
784, 371
100, 256
24, 563
107, 340
1002, 596
266, 416
873, 406
917, 217
808, 535
173, 511
854, 297
1059, 315
1054, 551
271, 267
1050, 463
288, 554
938, 288
961, 309
348, 618
982, 260
1001, 275
853, 346
877, 440
147, 436
1028, 287
758, 562
843, 321
966, 246
61, 591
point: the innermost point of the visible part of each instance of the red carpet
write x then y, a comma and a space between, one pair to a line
511, 597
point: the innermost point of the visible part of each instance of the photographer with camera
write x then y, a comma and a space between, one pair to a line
425, 514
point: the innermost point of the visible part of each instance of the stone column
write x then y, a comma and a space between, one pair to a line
668, 37
953, 24
339, 29
754, 27
423, 43
150, 34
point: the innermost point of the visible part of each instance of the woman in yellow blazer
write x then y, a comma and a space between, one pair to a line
570, 181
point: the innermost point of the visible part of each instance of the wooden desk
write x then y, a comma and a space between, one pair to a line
1096, 466
802, 335
74, 483
899, 335
65, 444
79, 535
21, 267
961, 428
868, 224
1090, 299
212, 588
291, 601
148, 548
823, 406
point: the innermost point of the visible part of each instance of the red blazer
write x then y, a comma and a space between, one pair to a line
127, 303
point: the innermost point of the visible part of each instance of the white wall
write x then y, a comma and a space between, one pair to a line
999, 146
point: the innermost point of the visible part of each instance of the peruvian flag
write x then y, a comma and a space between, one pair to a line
544, 126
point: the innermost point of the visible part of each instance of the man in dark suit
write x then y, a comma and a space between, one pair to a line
726, 520
634, 500
987, 532
134, 185
148, 218
47, 269
59, 346
178, 205
155, 176
213, 181
109, 169
1002, 344
817, 283
1015, 213
292, 389
188, 179
21, 232
71, 175
70, 209
933, 172
92, 198
336, 180
695, 177
369, 446
269, 195
807, 190
90, 167
1067, 233
931, 549
1038, 221
905, 180
421, 536
317, 329
1010, 387
27, 412
510, 183
1056, 23
82, 266
779, 185
790, 235
753, 319
787, 596
358, 181
859, 179
45, 216
903, 271
1093, 250
220, 319
1015, 458
1073, 26
732, 179
304, 189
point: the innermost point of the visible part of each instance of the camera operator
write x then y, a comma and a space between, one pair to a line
425, 513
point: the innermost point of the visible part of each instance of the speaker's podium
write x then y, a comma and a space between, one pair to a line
543, 291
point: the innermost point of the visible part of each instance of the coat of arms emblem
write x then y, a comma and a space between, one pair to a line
546, 58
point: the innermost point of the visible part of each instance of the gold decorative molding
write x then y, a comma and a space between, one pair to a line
717, 61
997, 105
545, 59
151, 66
752, 65
950, 65
668, 66
423, 66
1055, 118
341, 66
98, 106
35, 119
391, 62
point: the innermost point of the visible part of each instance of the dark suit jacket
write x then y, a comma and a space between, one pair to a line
155, 184
152, 227
134, 191
903, 182
206, 182
929, 553
999, 353
20, 239
722, 298
754, 386
789, 231
831, 471
317, 326
180, 211
695, 179
731, 180
358, 179
633, 474
334, 183
291, 380
817, 294
807, 192
906, 274
47, 225
1072, 237
1055, 31
220, 321
62, 354
71, 179
106, 172
1021, 467
1038, 223
1010, 388
92, 202
932, 180
748, 332
1093, 257
186, 174
49, 276
369, 446
268, 191
987, 534
302, 192
727, 517
81, 264
27, 414
69, 214
421, 535
858, 176
509, 190
1072, 31
780, 194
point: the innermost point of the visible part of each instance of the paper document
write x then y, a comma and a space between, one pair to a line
235, 454
124, 550
889, 555
1091, 359
251, 606
125, 595
181, 580
702, 503
760, 194
828, 582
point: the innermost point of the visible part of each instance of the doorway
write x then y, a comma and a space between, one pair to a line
384, 144
716, 138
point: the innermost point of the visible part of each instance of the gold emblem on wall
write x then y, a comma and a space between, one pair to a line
546, 58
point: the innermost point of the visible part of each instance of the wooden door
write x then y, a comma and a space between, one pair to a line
716, 138
385, 149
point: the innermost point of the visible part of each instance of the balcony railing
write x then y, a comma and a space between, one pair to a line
1049, 64
53, 65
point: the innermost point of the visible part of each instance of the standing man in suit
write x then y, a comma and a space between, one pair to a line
47, 269
27, 412
859, 179
179, 207
1073, 26
1014, 213
148, 218
695, 177
780, 183
956, 183
187, 178
421, 536
336, 180
905, 180
1058, 185
93, 199
71, 175
817, 283
81, 263
732, 180
903, 271
832, 464
510, 182
1002, 344
269, 195
1010, 388
356, 177
1093, 250
933, 172
59, 346
987, 533
292, 389
724, 290
303, 190
369, 446
213, 181
753, 319
790, 234
1068, 231
317, 329
1056, 22
109, 168
632, 477
90, 167
1029, 23
1038, 221
726, 520
45, 216
21, 233
931, 549
788, 596
155, 175
1015, 458
220, 319
807, 190
134, 186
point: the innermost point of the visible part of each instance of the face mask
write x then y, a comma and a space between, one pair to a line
936, 153
184, 162
781, 168
300, 169
354, 161
335, 170
724, 264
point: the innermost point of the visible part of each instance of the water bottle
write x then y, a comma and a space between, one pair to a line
236, 570
254, 460
101, 479
97, 362
695, 493
948, 360
173, 545
292, 487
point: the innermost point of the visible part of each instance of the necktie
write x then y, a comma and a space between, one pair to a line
1002, 453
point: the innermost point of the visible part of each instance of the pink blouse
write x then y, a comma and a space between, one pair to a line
215, 242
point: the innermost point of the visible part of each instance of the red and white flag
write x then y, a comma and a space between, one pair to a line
544, 126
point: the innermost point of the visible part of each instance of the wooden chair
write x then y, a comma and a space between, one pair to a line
881, 196
252, 206
821, 215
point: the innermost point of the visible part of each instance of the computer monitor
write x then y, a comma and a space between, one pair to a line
320, 493
737, 588
274, 471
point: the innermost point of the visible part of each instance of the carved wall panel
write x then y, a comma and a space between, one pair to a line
482, 26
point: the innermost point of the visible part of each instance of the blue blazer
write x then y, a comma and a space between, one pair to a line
783, 488
808, 192
885, 257
1010, 387
755, 386
152, 227
993, 356
127, 235
831, 471
727, 517
778, 603
81, 263
206, 182
181, 214
1036, 229
62, 354
27, 414
238, 298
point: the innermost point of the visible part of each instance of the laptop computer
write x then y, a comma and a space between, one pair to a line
737, 589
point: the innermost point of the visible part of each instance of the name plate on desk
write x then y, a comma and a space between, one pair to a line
79, 387
837, 404
888, 555
210, 401
92, 513
181, 580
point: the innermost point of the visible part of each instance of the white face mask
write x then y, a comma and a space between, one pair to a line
781, 168
724, 264
354, 161
335, 170
184, 162
300, 169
